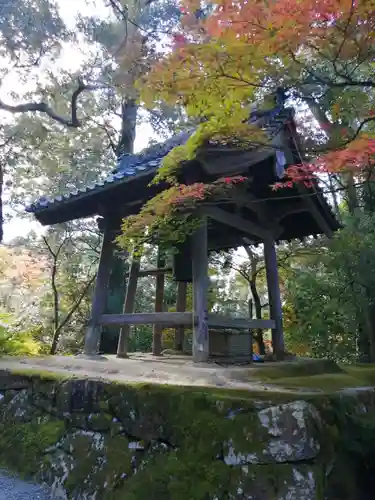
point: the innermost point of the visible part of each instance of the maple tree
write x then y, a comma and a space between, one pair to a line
229, 56
170, 214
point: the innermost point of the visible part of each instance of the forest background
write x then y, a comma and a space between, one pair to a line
52, 143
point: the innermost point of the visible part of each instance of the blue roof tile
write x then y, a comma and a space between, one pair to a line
130, 165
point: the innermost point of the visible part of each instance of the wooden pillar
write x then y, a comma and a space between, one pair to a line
180, 307
99, 300
274, 298
200, 289
115, 303
157, 330
122, 348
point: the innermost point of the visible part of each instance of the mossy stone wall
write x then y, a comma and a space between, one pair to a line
92, 439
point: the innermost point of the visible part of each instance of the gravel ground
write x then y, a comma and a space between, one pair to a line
12, 488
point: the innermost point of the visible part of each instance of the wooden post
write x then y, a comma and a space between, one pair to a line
122, 348
115, 302
200, 289
99, 300
274, 298
180, 307
157, 330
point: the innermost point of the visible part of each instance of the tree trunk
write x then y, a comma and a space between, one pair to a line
334, 195
371, 331
75, 306
180, 307
334, 131
129, 304
351, 192
258, 334
157, 331
363, 345
125, 144
55, 308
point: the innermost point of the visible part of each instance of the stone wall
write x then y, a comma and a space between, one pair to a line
92, 439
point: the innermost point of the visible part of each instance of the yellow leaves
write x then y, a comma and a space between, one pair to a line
204, 78
171, 163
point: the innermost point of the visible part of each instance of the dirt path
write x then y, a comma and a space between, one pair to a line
168, 369
175, 370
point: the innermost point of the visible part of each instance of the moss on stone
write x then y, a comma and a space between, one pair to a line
23, 445
351, 376
175, 439
295, 368
40, 374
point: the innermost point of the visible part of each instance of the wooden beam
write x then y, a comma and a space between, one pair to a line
218, 321
235, 221
180, 307
260, 208
274, 298
294, 208
313, 209
200, 290
250, 201
155, 271
157, 330
100, 296
161, 318
131, 289
184, 319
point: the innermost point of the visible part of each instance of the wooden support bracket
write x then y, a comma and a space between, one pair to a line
236, 221
313, 209
259, 207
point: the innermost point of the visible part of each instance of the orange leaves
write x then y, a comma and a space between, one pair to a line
170, 214
230, 54
358, 156
232, 180
274, 26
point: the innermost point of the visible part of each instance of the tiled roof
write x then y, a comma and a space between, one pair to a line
131, 165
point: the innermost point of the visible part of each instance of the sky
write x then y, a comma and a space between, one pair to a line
69, 10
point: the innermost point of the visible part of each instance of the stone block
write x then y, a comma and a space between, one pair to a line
282, 433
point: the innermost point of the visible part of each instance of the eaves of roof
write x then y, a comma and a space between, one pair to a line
131, 166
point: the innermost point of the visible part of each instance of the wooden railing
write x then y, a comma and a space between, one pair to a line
215, 321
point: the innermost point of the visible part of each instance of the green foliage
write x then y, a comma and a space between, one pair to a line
215, 130
169, 217
15, 342
30, 27
332, 295
140, 339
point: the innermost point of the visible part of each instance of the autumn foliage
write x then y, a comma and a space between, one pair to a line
170, 214
229, 57
236, 53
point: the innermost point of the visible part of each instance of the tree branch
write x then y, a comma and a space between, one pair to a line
43, 107
56, 333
